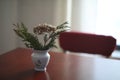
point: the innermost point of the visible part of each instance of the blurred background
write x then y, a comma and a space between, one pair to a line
94, 16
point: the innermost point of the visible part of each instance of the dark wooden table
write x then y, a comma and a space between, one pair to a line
17, 65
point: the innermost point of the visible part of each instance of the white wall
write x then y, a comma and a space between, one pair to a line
8, 15
31, 12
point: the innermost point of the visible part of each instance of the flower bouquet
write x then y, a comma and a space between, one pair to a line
43, 36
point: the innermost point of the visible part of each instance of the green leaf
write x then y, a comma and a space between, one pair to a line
24, 27
61, 26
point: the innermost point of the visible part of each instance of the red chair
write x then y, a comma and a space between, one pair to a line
87, 43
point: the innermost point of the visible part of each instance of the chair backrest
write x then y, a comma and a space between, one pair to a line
87, 43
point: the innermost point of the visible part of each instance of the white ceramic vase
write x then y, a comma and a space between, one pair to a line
40, 59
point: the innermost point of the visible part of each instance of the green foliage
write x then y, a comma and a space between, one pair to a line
31, 39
